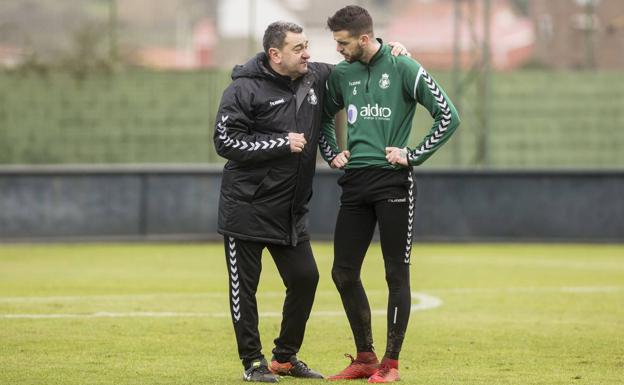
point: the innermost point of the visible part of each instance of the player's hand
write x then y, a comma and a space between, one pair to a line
297, 141
398, 49
341, 159
396, 155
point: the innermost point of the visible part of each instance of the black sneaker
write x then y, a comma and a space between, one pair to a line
259, 372
294, 368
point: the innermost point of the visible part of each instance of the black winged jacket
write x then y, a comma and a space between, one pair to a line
265, 187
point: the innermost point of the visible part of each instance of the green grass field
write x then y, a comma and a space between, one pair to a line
158, 314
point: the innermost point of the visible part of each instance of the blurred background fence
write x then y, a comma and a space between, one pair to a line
102, 81
538, 119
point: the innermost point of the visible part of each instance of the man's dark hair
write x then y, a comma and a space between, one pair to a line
351, 18
275, 34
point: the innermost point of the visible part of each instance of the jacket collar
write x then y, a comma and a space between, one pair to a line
381, 52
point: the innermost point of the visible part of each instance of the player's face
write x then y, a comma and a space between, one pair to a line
348, 46
294, 55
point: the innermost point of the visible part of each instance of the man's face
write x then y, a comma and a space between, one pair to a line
348, 46
294, 55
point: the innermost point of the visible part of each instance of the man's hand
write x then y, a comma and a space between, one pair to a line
341, 159
297, 141
398, 49
396, 155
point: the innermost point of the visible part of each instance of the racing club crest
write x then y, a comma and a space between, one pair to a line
312, 99
384, 82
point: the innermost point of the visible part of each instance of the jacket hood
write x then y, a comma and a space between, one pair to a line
254, 68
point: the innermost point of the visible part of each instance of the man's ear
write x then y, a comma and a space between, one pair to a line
275, 55
364, 40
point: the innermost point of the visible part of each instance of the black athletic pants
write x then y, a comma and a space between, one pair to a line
299, 273
369, 197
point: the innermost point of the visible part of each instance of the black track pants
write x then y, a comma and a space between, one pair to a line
370, 197
299, 273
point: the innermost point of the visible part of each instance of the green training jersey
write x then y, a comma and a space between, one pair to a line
380, 100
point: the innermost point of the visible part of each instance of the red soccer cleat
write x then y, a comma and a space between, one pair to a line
388, 372
363, 366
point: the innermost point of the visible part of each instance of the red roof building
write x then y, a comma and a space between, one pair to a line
427, 29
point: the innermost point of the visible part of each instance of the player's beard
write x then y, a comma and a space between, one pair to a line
355, 55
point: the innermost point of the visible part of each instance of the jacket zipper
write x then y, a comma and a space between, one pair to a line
293, 227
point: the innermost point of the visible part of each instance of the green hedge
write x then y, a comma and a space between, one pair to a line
538, 119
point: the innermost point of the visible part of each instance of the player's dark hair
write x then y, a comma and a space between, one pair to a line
351, 18
275, 34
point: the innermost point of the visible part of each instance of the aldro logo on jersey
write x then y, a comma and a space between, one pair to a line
369, 112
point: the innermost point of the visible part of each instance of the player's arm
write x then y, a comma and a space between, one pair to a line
446, 119
333, 103
234, 135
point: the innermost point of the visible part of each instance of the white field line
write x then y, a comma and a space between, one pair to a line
425, 302
320, 293
157, 296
